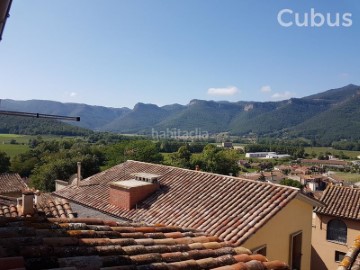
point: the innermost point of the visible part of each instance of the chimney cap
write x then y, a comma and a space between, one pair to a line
128, 184
146, 175
28, 192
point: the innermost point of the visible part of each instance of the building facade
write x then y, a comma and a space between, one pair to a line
335, 226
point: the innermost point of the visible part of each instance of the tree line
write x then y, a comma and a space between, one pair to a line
50, 160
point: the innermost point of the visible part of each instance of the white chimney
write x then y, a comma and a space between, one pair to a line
28, 202
37, 197
78, 173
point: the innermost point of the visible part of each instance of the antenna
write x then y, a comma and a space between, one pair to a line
41, 115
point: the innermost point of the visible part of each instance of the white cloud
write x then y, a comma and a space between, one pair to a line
227, 91
265, 89
344, 75
282, 96
73, 94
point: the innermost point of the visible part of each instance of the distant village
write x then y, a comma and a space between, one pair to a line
156, 215
313, 174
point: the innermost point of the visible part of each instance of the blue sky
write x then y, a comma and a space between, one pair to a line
116, 53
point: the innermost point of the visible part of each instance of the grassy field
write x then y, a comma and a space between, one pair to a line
348, 177
12, 150
317, 150
6, 138
20, 145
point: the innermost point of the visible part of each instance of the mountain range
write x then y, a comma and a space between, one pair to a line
327, 116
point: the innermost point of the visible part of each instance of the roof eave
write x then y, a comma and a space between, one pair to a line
336, 216
5, 6
309, 200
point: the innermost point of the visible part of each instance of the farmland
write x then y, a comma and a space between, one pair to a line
14, 144
323, 150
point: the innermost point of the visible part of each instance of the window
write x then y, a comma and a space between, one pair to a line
339, 256
336, 231
260, 250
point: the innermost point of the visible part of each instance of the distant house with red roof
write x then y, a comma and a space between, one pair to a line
269, 219
336, 163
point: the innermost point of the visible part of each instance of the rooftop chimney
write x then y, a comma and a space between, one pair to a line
126, 194
37, 197
78, 174
28, 202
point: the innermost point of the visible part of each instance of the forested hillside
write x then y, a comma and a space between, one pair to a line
38, 126
327, 116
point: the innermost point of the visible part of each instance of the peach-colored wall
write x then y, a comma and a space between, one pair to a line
323, 251
127, 198
295, 217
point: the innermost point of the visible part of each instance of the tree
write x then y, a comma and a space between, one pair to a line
291, 183
141, 150
209, 157
44, 175
24, 163
214, 159
181, 158
62, 166
51, 160
226, 161
4, 162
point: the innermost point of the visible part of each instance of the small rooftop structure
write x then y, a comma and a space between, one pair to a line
148, 177
127, 194
35, 204
130, 183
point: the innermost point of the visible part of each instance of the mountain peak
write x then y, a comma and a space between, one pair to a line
336, 107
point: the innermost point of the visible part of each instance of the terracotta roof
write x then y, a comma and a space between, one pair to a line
275, 176
11, 182
229, 207
351, 260
54, 207
39, 243
341, 202
48, 206
325, 162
